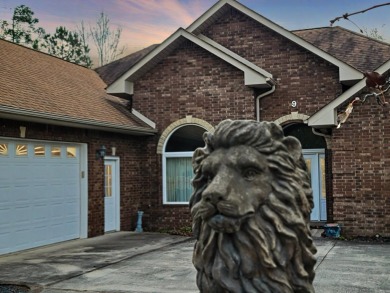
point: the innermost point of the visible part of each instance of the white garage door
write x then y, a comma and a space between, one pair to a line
39, 193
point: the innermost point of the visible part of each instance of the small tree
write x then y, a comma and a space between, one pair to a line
68, 46
106, 40
84, 38
63, 43
21, 29
373, 33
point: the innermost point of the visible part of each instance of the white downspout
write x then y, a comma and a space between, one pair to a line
260, 97
320, 134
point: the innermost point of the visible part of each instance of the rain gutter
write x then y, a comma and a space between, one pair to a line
62, 120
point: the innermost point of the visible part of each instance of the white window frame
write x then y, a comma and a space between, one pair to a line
164, 165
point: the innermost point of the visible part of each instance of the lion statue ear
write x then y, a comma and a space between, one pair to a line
197, 158
201, 153
294, 147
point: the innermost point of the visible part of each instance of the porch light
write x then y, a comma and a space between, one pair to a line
100, 153
22, 131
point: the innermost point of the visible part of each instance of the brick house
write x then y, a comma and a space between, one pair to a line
54, 117
154, 105
234, 63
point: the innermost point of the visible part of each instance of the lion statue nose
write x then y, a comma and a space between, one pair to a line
213, 198
215, 192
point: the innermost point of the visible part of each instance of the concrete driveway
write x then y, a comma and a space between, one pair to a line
158, 263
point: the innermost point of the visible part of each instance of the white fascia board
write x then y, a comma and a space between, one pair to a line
346, 72
327, 116
253, 75
143, 118
252, 78
120, 83
33, 116
205, 16
126, 87
324, 119
235, 56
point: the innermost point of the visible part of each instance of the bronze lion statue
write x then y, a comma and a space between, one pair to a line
251, 209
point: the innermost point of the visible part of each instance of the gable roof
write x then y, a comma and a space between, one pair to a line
112, 71
327, 116
253, 75
359, 51
37, 87
346, 71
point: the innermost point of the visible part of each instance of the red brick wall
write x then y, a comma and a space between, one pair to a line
301, 75
132, 169
188, 82
361, 171
191, 81
329, 184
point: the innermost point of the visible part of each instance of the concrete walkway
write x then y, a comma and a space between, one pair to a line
158, 263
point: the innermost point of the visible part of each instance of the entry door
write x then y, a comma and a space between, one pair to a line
111, 195
315, 161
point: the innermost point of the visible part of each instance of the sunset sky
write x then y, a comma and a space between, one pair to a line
146, 22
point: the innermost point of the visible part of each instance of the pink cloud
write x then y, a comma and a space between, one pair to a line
163, 11
143, 22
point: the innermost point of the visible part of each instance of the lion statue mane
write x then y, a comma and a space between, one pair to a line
251, 210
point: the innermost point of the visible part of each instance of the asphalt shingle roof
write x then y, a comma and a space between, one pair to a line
357, 50
354, 49
112, 71
35, 82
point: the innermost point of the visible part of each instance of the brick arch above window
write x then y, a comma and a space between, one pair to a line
178, 123
293, 117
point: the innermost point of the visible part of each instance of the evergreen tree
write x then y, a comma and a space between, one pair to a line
21, 29
68, 46
64, 44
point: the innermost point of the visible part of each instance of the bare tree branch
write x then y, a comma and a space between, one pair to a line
346, 15
106, 40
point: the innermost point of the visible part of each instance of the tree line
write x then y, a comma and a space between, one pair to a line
72, 46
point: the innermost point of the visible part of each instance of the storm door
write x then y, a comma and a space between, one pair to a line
315, 161
313, 149
111, 194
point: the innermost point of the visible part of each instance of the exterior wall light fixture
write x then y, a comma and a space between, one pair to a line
22, 131
100, 153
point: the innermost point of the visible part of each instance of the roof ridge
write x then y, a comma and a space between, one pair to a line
310, 28
344, 29
41, 52
127, 56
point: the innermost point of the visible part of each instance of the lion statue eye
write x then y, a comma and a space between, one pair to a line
250, 173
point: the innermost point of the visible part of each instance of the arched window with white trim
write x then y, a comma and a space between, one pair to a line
177, 162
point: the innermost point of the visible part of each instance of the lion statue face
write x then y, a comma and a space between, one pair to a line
238, 182
251, 208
